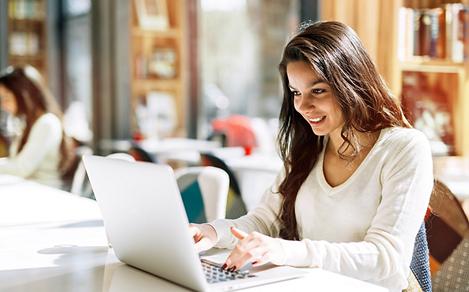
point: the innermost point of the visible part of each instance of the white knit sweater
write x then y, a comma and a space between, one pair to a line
40, 156
365, 227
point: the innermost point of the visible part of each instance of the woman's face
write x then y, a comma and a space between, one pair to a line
313, 99
8, 100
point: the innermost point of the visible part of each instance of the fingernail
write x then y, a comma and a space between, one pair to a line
254, 262
233, 269
223, 267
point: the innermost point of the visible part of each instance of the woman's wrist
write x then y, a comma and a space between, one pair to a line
209, 231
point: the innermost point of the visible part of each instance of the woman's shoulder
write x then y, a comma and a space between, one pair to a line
399, 138
48, 120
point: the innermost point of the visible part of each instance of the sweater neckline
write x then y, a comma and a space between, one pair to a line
320, 173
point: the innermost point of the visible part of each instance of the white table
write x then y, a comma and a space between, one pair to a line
60, 245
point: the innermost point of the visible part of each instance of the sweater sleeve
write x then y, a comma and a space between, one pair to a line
386, 250
45, 134
262, 219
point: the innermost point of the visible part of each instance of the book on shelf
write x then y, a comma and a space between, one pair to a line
455, 27
440, 33
26, 9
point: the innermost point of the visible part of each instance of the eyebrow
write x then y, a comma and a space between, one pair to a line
311, 84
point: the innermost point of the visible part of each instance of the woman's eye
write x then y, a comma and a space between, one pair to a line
318, 90
295, 93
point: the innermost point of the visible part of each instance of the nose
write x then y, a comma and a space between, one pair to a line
304, 104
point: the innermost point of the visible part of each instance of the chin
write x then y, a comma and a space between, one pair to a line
319, 132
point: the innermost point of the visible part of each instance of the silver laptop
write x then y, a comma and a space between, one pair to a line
147, 226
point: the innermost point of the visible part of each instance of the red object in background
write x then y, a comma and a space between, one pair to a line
238, 131
137, 136
247, 150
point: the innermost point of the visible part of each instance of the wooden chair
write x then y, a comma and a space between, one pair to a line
448, 239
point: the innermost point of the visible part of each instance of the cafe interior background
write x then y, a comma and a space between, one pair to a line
167, 80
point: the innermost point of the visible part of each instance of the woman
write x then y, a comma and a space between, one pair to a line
357, 179
41, 152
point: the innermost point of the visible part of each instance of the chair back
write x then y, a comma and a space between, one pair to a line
448, 240
140, 154
79, 176
80, 183
235, 206
420, 264
445, 205
213, 184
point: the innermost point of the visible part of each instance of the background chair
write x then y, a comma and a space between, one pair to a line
77, 186
80, 183
204, 191
235, 205
448, 241
139, 154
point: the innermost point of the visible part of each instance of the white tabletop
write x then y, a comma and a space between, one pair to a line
25, 202
59, 244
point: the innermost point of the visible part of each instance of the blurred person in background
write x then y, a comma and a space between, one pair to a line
41, 152
357, 178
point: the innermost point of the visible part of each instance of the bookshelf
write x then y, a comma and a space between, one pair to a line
157, 58
27, 34
433, 54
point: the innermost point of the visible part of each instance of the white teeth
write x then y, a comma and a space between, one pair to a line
317, 119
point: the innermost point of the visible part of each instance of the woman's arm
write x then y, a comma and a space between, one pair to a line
262, 219
45, 134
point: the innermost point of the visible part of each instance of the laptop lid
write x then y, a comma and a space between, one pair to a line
144, 218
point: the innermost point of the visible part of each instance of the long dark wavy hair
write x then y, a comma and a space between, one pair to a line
34, 99
336, 55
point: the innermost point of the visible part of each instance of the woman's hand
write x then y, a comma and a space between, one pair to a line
205, 236
255, 248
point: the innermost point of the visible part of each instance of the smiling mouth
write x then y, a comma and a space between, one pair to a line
317, 120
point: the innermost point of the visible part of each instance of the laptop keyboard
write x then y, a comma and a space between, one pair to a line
214, 273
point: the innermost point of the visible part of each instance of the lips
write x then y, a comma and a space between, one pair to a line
316, 120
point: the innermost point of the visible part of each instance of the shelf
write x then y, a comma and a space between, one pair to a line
37, 58
432, 65
148, 47
149, 84
169, 33
38, 21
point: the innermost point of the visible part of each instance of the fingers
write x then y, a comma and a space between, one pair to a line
237, 260
250, 248
238, 233
195, 232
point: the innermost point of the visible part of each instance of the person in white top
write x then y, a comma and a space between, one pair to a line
41, 152
356, 181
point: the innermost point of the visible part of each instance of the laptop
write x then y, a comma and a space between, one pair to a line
147, 226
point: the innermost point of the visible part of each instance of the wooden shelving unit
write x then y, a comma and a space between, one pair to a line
379, 24
157, 58
27, 33
436, 80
